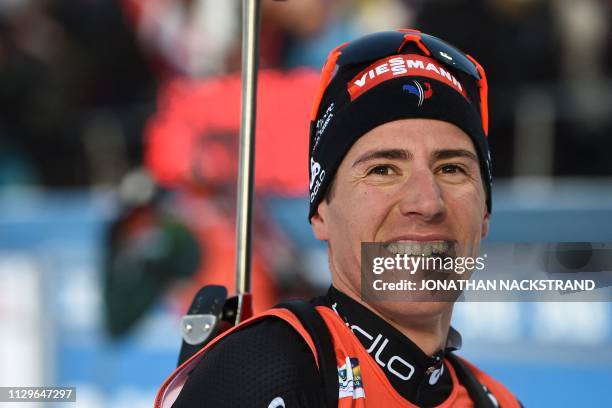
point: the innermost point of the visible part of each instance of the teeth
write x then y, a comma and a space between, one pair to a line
440, 247
418, 248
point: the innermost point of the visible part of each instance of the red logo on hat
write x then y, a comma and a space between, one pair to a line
402, 66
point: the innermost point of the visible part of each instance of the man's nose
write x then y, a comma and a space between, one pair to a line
422, 196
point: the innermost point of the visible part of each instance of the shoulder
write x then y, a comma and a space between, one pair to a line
252, 366
502, 394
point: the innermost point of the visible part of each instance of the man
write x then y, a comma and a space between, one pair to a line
399, 156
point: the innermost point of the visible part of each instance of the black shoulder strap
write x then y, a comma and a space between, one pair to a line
326, 356
468, 379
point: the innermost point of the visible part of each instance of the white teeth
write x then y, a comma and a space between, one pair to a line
420, 248
440, 247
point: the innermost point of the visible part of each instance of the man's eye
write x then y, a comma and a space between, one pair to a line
452, 169
381, 170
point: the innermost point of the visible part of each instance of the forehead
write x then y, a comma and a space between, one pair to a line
416, 135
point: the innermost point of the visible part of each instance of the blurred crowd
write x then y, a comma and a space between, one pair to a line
78, 79
143, 96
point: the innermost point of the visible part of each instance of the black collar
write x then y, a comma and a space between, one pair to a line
421, 379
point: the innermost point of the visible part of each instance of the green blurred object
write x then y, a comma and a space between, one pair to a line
147, 251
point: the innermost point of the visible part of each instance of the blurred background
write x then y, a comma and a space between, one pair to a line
118, 145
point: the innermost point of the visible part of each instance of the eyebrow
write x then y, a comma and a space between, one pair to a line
395, 154
452, 153
400, 154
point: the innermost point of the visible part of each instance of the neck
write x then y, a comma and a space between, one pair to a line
428, 333
428, 330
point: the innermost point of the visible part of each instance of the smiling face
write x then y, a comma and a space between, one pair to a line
411, 180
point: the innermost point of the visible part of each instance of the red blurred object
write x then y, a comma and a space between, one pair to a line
191, 145
215, 230
192, 140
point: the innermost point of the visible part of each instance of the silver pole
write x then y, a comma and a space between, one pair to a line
250, 54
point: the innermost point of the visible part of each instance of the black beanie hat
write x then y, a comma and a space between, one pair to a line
363, 96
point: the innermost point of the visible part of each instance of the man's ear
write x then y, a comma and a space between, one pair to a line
318, 222
485, 225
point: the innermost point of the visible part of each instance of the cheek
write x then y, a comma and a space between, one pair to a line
363, 207
373, 205
468, 197
466, 207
